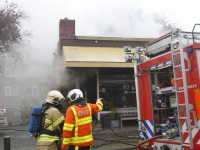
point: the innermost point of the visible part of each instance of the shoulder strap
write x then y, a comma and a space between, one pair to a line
43, 114
44, 108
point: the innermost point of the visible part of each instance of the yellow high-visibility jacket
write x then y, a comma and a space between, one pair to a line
53, 118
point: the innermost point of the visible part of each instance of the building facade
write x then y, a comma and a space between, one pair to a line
27, 78
97, 66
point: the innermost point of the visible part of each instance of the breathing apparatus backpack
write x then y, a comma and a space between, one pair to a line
36, 121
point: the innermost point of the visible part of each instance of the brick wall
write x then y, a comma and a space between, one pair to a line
66, 29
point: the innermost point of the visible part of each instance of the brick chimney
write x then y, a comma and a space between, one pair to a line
66, 29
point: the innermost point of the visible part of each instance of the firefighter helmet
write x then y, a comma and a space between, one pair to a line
75, 94
54, 97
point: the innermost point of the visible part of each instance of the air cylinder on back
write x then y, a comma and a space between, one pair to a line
35, 119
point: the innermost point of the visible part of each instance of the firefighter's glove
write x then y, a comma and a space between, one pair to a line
99, 99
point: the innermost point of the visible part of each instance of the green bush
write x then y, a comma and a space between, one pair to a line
113, 112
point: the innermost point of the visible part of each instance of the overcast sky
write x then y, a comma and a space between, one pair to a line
113, 18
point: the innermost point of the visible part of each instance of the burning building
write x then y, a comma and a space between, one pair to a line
96, 65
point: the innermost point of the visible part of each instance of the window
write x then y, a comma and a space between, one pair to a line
45, 90
34, 90
117, 90
11, 72
11, 91
31, 90
28, 90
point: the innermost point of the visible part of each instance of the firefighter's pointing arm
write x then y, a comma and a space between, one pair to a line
99, 103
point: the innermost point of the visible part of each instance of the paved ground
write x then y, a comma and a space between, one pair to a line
20, 138
105, 139
115, 138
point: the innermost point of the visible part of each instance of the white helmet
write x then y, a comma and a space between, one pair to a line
54, 97
75, 94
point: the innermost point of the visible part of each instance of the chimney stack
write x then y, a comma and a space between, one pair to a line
66, 29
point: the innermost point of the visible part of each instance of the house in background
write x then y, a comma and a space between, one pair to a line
97, 66
28, 79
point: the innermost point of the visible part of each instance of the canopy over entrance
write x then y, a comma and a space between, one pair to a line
79, 56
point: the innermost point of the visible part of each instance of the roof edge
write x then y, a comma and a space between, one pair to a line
112, 38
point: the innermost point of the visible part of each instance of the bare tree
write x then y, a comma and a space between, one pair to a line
11, 32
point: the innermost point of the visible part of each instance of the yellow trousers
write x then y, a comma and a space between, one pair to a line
53, 146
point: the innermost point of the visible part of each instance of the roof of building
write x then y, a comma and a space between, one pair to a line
106, 52
113, 38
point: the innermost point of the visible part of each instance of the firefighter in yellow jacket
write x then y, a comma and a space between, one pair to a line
77, 130
50, 135
23, 111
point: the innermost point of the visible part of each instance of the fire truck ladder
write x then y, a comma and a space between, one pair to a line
182, 107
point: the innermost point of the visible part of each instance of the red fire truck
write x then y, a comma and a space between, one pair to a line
168, 114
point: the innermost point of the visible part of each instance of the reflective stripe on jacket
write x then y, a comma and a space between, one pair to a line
53, 118
77, 128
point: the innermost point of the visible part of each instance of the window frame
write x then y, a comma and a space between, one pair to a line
47, 89
10, 92
7, 72
11, 72
32, 90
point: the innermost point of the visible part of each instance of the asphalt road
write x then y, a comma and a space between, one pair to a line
105, 139
20, 138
